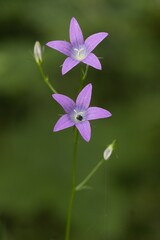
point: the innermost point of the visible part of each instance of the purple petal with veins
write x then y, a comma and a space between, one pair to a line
84, 97
92, 61
97, 113
75, 33
68, 64
84, 129
67, 103
92, 41
61, 46
63, 122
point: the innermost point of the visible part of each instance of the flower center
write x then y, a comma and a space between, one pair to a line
78, 116
79, 53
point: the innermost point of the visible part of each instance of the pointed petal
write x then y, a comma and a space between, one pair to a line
96, 113
75, 32
92, 61
61, 46
66, 102
62, 123
84, 129
92, 41
84, 97
68, 64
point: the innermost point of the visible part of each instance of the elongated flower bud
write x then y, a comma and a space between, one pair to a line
38, 52
108, 151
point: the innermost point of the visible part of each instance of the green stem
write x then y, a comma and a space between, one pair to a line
68, 224
94, 170
73, 190
45, 78
84, 75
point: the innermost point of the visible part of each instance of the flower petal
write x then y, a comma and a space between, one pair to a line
92, 41
75, 32
62, 123
92, 61
96, 113
84, 129
84, 97
66, 102
61, 46
68, 64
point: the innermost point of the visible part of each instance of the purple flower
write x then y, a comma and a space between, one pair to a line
78, 114
78, 50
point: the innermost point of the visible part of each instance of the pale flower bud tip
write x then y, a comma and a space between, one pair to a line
38, 52
108, 151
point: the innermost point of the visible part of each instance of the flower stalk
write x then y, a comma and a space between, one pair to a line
68, 224
84, 75
82, 185
45, 78
106, 155
38, 58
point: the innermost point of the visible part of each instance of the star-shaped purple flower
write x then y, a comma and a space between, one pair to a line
78, 114
78, 50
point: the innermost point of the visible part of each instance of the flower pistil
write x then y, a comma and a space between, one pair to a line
79, 53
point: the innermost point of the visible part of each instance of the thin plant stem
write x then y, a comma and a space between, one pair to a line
106, 155
84, 75
94, 170
45, 78
73, 190
68, 224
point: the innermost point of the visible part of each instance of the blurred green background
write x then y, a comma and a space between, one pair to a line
35, 163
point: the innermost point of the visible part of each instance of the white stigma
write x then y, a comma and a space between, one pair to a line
79, 54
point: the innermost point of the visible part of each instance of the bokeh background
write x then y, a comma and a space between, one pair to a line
35, 163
